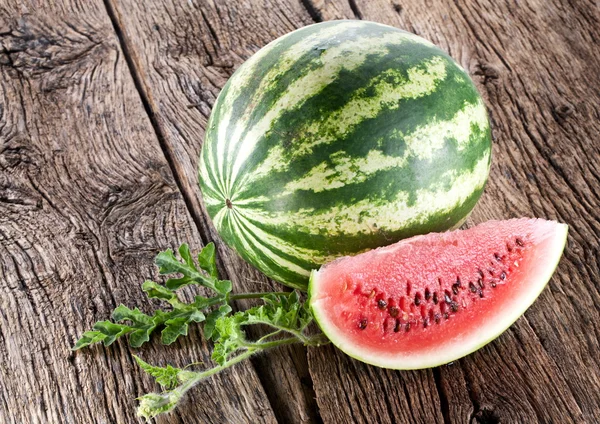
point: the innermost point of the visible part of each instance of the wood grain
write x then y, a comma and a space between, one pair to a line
102, 119
86, 200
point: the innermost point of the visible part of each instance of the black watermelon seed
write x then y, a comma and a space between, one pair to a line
480, 282
519, 242
454, 306
437, 318
425, 322
397, 326
427, 294
407, 327
503, 275
480, 272
447, 298
435, 298
497, 257
472, 287
362, 324
493, 284
491, 272
417, 299
446, 316
394, 311
458, 281
455, 288
481, 293
381, 304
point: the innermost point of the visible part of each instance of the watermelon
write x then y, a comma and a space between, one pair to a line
337, 138
432, 299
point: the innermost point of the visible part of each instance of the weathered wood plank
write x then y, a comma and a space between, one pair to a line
534, 64
199, 47
78, 243
183, 53
86, 200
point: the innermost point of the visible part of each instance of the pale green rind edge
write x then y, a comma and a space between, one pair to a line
560, 240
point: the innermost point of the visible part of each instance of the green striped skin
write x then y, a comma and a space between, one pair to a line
337, 138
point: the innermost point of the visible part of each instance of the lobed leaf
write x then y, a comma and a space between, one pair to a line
168, 377
207, 260
111, 331
88, 338
211, 320
168, 264
223, 286
157, 291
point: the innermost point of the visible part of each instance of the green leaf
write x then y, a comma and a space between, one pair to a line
175, 283
174, 328
184, 252
140, 336
168, 377
230, 336
177, 324
142, 324
286, 312
88, 338
207, 260
169, 264
123, 313
220, 353
201, 302
223, 286
111, 331
211, 320
157, 291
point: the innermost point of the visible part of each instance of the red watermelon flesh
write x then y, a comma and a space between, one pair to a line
431, 299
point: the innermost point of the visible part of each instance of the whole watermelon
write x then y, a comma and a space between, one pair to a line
341, 137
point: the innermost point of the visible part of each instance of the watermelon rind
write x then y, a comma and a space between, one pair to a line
544, 269
337, 138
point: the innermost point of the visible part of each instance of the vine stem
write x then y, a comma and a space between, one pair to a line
204, 374
274, 343
266, 336
170, 398
256, 295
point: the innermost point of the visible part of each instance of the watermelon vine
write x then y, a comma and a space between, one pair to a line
284, 312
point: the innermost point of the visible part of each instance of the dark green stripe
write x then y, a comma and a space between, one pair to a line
416, 174
204, 185
307, 265
264, 101
383, 186
330, 244
269, 267
211, 140
306, 63
288, 130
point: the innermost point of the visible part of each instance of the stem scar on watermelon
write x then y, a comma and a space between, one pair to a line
432, 299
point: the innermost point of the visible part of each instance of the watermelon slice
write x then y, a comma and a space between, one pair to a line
431, 299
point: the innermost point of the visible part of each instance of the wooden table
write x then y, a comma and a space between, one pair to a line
103, 107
